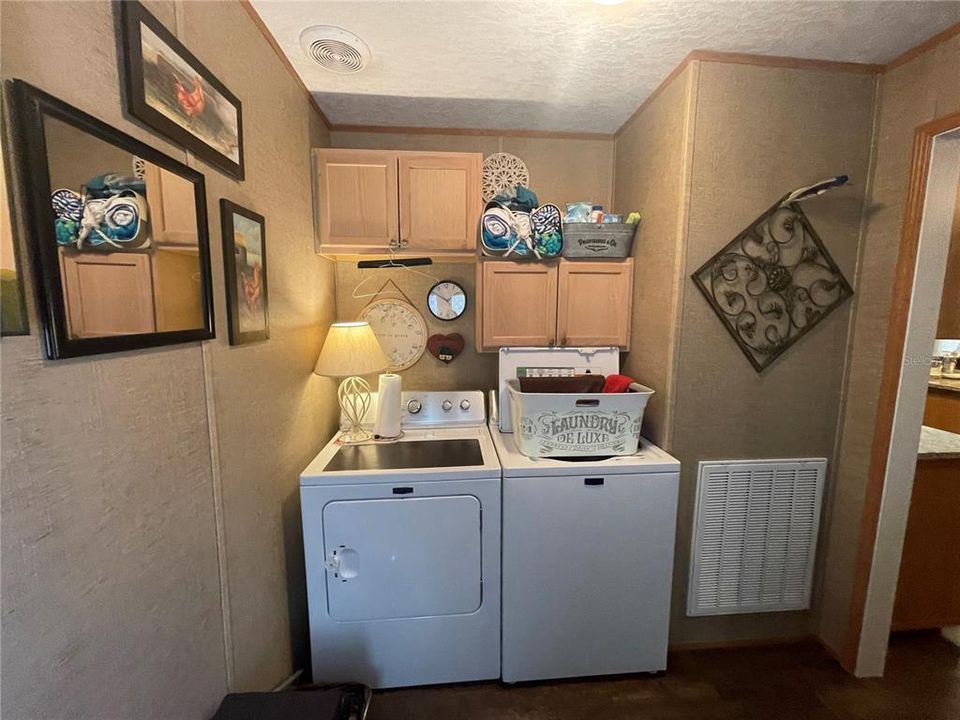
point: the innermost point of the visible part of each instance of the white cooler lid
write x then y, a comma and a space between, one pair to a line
516, 361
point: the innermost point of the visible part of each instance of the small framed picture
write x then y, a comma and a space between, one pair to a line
175, 94
245, 270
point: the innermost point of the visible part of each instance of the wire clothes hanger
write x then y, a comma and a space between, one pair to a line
390, 262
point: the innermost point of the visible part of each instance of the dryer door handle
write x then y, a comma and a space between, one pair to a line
344, 563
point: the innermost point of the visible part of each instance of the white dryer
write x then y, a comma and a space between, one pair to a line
402, 550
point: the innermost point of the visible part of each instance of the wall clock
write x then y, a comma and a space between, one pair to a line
447, 300
401, 330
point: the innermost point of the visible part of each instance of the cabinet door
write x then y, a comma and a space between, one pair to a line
356, 199
173, 207
440, 200
519, 304
949, 325
594, 303
942, 410
108, 293
177, 295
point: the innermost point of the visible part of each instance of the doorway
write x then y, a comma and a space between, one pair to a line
917, 292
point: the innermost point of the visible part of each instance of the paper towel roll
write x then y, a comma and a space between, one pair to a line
387, 424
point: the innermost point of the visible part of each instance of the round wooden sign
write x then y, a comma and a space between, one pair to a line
401, 330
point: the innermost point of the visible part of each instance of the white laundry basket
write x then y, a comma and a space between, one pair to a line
577, 425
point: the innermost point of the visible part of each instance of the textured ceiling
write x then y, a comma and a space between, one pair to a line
570, 66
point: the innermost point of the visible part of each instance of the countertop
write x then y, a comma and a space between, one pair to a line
945, 384
938, 444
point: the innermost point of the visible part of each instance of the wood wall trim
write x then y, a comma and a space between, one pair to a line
265, 31
715, 56
927, 45
656, 92
890, 377
786, 62
481, 132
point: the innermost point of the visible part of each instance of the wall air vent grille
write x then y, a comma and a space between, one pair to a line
755, 535
335, 49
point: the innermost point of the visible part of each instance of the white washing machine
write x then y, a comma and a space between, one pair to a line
588, 550
402, 550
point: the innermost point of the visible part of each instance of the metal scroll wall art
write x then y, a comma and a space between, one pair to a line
772, 284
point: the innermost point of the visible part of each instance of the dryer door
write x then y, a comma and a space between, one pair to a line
400, 558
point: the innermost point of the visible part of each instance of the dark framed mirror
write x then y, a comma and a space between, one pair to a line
117, 233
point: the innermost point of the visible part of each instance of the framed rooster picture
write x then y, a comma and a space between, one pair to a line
174, 93
245, 271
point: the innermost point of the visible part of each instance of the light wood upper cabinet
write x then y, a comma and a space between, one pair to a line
518, 304
173, 209
367, 200
594, 301
356, 201
440, 199
558, 303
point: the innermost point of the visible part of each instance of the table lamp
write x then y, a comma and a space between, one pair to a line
350, 350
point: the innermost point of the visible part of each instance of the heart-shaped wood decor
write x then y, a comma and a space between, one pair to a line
445, 348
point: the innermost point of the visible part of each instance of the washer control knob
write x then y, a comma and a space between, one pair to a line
413, 407
464, 404
446, 405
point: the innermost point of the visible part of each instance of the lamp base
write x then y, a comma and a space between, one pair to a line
354, 397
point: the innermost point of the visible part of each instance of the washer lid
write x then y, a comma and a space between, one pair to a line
650, 459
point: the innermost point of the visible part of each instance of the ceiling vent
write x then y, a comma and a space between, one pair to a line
335, 49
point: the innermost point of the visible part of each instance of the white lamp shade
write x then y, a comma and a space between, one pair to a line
351, 348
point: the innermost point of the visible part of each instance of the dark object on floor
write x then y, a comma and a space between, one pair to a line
342, 702
784, 682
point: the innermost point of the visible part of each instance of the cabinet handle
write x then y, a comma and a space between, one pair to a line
593, 481
563, 341
551, 342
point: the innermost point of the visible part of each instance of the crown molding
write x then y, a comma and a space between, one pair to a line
265, 31
929, 44
480, 132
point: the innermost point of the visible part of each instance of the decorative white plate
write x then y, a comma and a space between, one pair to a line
503, 171
400, 328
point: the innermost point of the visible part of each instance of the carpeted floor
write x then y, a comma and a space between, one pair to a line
785, 682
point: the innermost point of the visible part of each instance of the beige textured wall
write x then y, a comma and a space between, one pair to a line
116, 467
561, 171
759, 133
652, 170
471, 370
921, 90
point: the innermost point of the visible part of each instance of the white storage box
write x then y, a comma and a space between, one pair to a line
572, 424
518, 362
568, 424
